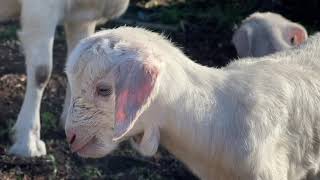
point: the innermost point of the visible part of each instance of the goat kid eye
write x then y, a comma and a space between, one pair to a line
292, 41
104, 91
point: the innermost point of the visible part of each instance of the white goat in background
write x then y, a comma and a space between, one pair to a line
265, 33
257, 120
39, 19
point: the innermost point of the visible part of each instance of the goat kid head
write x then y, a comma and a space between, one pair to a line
112, 84
265, 33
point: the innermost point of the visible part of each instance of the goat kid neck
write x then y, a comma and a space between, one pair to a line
184, 109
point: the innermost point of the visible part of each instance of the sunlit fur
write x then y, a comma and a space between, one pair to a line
248, 121
261, 34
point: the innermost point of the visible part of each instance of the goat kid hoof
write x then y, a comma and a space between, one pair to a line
34, 149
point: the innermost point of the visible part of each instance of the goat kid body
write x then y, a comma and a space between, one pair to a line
39, 19
251, 120
258, 121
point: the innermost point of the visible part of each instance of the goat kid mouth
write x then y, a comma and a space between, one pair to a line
75, 148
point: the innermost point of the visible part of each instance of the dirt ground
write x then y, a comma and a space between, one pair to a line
200, 40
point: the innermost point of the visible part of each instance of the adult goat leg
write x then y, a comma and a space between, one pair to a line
38, 20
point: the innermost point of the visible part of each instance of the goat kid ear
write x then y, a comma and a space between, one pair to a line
242, 41
134, 89
148, 144
296, 34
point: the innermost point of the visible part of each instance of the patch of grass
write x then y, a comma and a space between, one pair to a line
222, 13
91, 173
158, 3
54, 162
8, 32
139, 173
145, 174
48, 120
6, 129
20, 177
172, 15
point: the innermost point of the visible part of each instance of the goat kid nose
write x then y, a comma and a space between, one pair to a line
71, 136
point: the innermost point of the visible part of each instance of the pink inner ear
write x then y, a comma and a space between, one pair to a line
299, 35
137, 98
122, 99
133, 88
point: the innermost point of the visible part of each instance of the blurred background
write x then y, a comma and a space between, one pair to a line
202, 28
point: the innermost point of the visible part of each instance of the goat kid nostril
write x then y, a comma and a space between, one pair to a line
72, 139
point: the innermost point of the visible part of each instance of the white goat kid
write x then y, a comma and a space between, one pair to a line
261, 34
39, 19
252, 121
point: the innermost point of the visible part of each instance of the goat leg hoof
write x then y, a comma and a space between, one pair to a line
31, 149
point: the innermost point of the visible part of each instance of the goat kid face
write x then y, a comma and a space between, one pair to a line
108, 96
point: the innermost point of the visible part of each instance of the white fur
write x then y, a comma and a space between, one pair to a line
39, 19
250, 121
265, 33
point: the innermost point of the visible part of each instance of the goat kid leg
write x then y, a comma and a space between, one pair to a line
75, 31
38, 20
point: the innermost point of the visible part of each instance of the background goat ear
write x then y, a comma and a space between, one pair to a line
242, 41
149, 143
135, 82
296, 34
